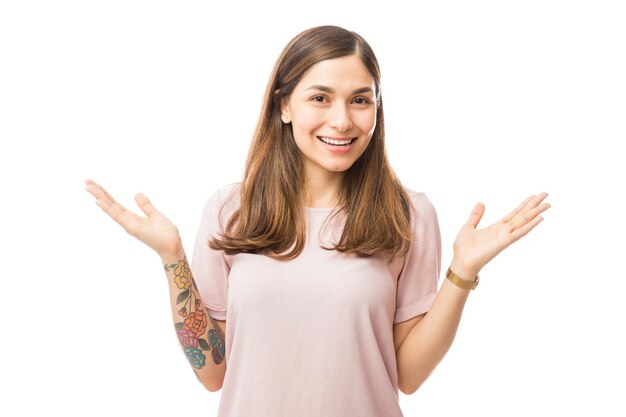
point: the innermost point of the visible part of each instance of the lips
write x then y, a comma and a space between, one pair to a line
344, 140
337, 137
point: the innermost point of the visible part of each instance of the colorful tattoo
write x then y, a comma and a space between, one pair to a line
191, 330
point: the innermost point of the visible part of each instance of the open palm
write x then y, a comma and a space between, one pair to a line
474, 248
155, 230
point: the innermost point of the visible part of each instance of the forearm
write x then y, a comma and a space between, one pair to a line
199, 335
431, 338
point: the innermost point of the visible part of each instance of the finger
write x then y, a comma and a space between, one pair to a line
98, 191
476, 215
144, 204
528, 205
522, 231
535, 201
517, 209
118, 212
106, 193
115, 210
129, 221
523, 218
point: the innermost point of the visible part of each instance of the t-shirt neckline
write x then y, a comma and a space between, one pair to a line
319, 209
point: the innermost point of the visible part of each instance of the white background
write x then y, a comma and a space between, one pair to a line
487, 101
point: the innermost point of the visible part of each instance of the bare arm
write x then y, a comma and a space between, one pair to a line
201, 337
431, 337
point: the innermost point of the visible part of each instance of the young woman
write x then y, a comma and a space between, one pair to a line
315, 279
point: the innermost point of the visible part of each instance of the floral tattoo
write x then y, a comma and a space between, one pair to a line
191, 330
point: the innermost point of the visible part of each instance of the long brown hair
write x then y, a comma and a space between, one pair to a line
270, 218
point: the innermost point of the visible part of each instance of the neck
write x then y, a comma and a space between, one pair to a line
322, 188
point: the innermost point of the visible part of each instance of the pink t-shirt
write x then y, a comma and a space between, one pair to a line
313, 336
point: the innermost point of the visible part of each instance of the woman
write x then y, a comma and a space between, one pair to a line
315, 279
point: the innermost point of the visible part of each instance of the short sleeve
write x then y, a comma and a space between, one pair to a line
208, 266
419, 277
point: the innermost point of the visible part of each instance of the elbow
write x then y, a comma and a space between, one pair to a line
407, 390
410, 387
214, 388
211, 387
404, 388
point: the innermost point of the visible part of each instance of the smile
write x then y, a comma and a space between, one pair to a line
336, 142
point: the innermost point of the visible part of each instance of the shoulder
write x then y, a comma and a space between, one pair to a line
422, 208
420, 201
229, 192
223, 201
218, 196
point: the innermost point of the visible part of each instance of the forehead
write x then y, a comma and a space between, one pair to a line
346, 72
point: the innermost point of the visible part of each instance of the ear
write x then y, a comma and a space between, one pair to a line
285, 115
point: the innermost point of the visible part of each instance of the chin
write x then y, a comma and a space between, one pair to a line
340, 168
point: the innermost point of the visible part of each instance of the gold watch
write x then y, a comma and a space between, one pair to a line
460, 282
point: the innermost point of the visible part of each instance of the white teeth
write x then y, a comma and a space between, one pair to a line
335, 141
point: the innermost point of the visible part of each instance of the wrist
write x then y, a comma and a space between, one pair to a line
173, 254
463, 271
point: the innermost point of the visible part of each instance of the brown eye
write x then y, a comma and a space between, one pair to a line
318, 101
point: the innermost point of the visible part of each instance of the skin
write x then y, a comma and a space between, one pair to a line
420, 342
202, 338
339, 113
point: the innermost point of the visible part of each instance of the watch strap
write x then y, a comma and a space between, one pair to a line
460, 282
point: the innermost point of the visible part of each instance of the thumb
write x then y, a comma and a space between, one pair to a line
144, 204
477, 214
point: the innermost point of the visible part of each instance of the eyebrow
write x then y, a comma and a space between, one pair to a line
331, 91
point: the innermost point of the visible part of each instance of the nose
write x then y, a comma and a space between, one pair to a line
340, 118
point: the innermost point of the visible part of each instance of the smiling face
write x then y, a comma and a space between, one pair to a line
332, 111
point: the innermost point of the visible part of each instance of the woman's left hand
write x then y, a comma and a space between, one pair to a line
474, 248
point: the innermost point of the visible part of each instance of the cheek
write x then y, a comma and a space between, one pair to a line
366, 122
307, 118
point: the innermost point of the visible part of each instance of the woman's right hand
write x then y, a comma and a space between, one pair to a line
156, 230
